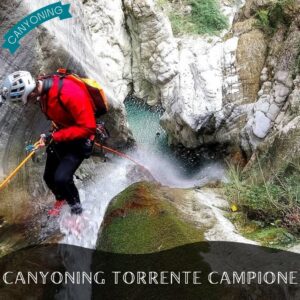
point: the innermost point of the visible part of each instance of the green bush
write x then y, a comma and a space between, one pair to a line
268, 19
181, 24
272, 201
264, 20
205, 17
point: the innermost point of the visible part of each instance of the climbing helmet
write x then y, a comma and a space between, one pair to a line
17, 86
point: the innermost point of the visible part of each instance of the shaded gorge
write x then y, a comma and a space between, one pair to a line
172, 165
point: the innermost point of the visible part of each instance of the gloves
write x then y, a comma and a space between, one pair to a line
45, 139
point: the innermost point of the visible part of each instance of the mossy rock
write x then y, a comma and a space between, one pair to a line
144, 219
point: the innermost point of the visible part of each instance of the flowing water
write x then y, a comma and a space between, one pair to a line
153, 152
166, 165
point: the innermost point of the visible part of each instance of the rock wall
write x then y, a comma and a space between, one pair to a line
270, 109
183, 74
235, 91
106, 23
197, 92
154, 51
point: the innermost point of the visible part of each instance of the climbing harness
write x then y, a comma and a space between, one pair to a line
29, 148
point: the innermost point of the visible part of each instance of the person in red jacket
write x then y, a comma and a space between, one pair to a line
68, 105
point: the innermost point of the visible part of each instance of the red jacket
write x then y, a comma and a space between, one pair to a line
75, 118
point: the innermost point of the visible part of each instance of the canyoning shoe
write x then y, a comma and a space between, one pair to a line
55, 211
76, 209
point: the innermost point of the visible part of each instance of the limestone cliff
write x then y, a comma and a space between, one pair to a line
238, 90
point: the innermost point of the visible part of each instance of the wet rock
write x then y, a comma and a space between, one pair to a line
138, 173
148, 217
143, 219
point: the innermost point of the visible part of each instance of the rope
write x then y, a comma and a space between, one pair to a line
17, 169
120, 154
36, 146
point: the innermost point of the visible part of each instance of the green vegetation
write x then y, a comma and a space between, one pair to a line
207, 16
268, 19
204, 16
271, 206
142, 220
270, 235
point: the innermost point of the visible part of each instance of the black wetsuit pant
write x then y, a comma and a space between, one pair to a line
63, 159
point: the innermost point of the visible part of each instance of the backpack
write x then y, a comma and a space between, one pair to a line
99, 100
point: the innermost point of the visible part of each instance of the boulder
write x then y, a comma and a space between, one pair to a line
143, 219
148, 217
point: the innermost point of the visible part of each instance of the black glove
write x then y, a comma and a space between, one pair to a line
45, 139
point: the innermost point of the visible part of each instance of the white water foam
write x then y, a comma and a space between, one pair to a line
112, 179
95, 197
166, 170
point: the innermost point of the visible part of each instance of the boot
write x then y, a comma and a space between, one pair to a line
76, 209
55, 211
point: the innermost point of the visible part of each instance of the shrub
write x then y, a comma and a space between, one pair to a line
272, 201
181, 24
205, 17
269, 18
264, 20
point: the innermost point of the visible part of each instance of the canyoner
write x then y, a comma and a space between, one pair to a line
72, 104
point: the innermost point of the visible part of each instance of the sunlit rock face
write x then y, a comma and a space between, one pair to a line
197, 93
154, 51
235, 90
186, 75
277, 90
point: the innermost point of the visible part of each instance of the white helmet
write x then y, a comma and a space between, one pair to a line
17, 86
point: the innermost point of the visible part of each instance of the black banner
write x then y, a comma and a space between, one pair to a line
208, 270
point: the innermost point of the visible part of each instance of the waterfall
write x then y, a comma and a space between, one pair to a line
153, 152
